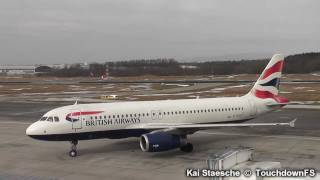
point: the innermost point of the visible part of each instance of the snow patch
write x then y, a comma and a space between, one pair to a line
20, 89
180, 85
299, 87
315, 74
285, 92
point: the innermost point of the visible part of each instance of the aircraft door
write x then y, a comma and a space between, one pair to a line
154, 115
76, 119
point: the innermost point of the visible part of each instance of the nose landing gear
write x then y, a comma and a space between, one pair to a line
73, 151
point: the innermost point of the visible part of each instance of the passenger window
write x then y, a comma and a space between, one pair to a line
50, 119
56, 119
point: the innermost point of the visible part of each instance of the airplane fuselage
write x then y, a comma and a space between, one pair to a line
110, 120
162, 125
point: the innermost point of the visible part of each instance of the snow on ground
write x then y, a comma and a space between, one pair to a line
74, 86
180, 85
218, 89
108, 87
299, 87
131, 98
311, 90
241, 85
175, 94
285, 92
142, 86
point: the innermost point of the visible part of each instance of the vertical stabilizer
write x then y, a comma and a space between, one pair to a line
267, 86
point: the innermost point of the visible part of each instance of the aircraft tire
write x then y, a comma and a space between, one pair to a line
187, 148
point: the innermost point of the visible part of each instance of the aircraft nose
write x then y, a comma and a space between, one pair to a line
31, 130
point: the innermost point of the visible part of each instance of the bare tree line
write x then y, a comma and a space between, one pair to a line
299, 63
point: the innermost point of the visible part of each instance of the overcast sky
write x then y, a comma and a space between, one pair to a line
66, 31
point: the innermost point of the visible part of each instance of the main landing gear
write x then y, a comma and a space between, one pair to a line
73, 151
187, 148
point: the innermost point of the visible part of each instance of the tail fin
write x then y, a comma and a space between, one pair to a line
267, 86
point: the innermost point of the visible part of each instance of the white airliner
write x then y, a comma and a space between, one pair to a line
162, 125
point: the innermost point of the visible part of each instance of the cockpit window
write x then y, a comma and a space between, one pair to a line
56, 119
43, 118
50, 119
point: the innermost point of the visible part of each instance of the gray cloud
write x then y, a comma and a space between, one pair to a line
46, 31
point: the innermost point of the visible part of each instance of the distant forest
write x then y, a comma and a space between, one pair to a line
299, 63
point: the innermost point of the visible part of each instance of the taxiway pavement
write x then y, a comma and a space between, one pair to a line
24, 158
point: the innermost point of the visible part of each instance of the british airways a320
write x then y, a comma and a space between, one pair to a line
165, 124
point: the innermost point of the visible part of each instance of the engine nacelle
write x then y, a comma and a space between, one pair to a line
160, 141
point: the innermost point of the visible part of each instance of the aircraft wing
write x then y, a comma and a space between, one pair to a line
194, 127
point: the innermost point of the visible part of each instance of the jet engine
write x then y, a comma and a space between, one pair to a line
161, 141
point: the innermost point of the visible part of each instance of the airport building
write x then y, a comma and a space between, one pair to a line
13, 70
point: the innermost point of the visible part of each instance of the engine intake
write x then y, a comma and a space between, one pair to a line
160, 141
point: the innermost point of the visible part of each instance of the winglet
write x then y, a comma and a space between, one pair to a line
291, 123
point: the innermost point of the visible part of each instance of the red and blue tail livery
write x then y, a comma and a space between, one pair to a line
267, 86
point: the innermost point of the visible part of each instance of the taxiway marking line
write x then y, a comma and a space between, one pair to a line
270, 136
